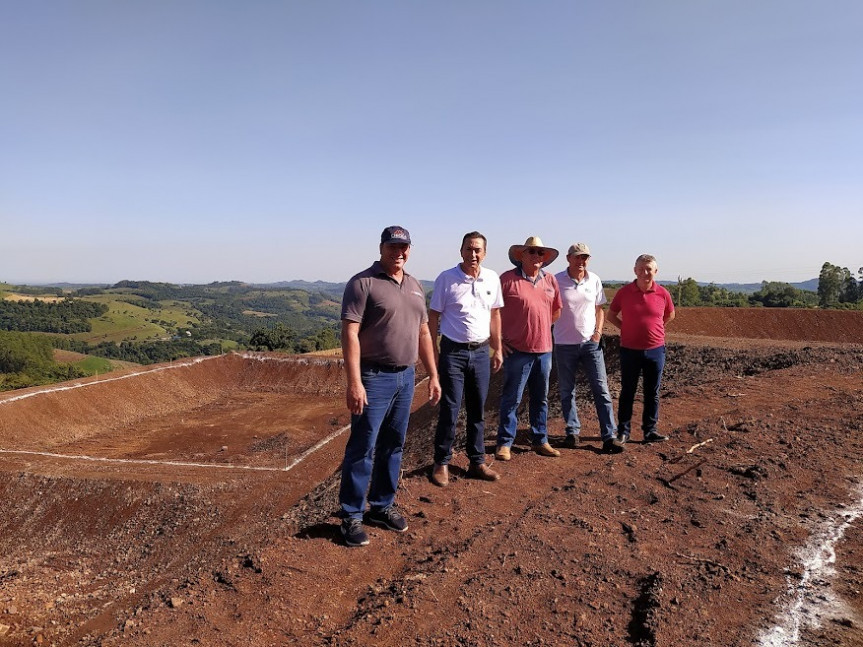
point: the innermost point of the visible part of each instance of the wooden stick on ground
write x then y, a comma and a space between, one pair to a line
696, 446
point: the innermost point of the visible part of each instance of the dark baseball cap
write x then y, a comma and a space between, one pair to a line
395, 234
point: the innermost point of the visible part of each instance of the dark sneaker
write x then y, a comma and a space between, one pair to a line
571, 441
613, 446
352, 531
389, 518
654, 437
622, 438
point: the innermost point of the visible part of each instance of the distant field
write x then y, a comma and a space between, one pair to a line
125, 321
11, 296
67, 356
254, 313
96, 365
91, 364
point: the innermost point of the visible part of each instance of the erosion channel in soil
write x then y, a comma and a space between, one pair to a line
194, 504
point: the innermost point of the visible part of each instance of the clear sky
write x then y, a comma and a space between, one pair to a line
193, 141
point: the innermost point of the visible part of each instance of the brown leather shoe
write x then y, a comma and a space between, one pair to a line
482, 472
440, 475
502, 453
546, 450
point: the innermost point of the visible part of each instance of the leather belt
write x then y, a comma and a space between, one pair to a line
383, 368
470, 345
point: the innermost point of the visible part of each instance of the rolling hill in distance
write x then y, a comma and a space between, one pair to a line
95, 328
331, 288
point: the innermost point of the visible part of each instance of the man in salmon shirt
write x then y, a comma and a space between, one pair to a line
531, 304
641, 310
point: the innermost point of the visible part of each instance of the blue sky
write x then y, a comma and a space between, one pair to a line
196, 141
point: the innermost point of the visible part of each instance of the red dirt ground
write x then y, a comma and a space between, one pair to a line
193, 504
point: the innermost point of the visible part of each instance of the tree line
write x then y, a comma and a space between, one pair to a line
837, 287
28, 360
66, 317
154, 352
771, 294
280, 337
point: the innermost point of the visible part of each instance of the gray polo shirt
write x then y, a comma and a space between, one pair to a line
389, 315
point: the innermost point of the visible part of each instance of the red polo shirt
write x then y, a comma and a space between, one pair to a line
642, 315
527, 309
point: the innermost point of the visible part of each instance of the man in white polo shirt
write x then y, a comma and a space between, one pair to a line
576, 343
465, 310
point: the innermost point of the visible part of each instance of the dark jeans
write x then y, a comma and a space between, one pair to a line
633, 364
462, 372
373, 456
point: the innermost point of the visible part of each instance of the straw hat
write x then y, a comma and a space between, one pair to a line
515, 251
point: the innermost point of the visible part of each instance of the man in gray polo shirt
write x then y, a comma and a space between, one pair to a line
384, 329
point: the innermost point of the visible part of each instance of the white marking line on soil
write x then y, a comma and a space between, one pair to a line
140, 461
315, 448
811, 596
302, 361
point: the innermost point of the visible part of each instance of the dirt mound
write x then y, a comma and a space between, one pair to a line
806, 325
194, 504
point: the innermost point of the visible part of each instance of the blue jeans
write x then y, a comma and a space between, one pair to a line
588, 356
633, 364
520, 369
462, 372
373, 455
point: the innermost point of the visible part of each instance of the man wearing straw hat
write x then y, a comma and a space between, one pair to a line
532, 303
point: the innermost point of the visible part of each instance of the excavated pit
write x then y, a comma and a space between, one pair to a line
192, 503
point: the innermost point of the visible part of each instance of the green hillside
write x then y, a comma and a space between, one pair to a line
146, 322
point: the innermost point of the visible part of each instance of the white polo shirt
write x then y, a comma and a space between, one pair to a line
578, 318
465, 303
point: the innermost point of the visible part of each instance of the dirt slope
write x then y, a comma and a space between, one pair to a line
218, 528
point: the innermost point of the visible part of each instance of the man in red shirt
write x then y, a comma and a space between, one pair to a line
641, 310
531, 304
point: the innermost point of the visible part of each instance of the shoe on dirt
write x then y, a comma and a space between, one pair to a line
571, 441
389, 518
613, 446
353, 533
654, 437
